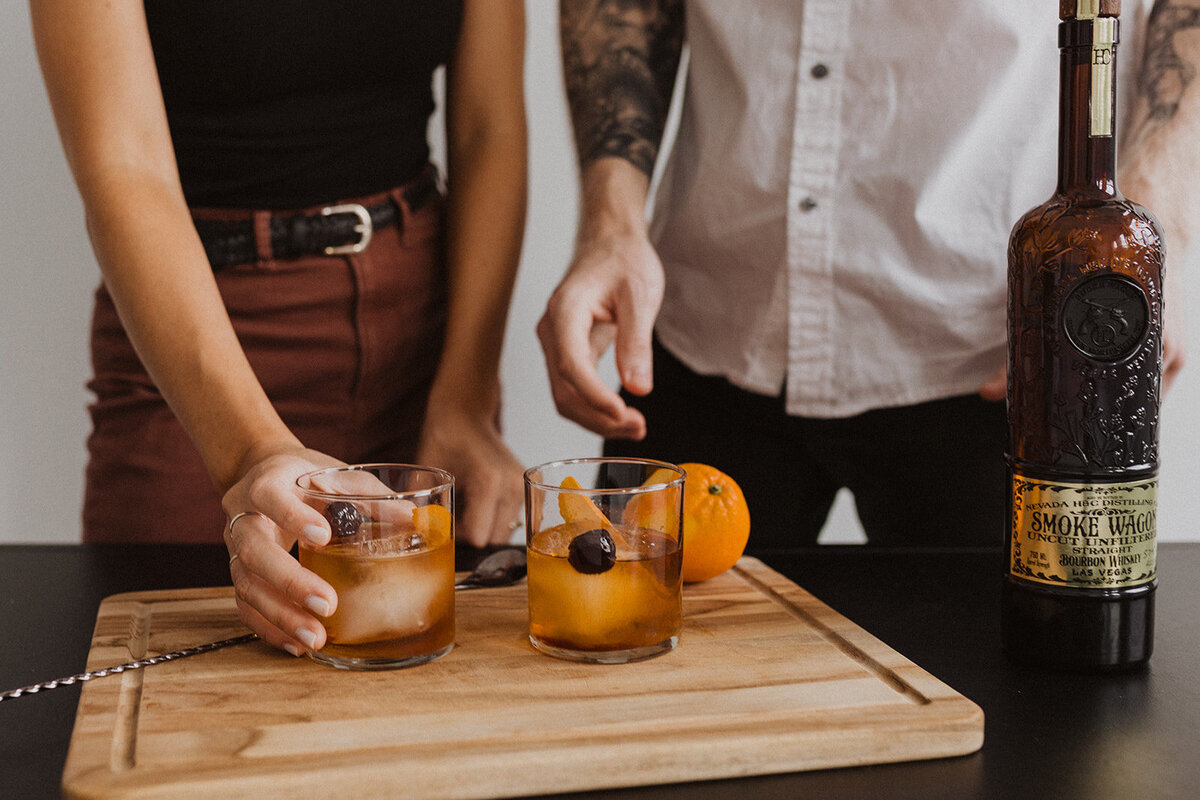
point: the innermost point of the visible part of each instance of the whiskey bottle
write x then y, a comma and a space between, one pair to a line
1084, 377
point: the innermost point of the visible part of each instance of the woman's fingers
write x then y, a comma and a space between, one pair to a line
275, 496
286, 598
491, 514
278, 598
266, 631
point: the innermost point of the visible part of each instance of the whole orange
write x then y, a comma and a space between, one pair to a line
716, 522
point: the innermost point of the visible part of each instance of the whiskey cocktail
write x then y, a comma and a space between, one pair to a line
604, 562
390, 560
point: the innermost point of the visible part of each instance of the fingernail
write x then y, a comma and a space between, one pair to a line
308, 637
291, 648
638, 378
315, 534
317, 605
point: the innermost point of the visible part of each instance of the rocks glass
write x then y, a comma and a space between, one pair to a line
390, 560
604, 558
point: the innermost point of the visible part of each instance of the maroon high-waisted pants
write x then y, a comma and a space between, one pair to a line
345, 347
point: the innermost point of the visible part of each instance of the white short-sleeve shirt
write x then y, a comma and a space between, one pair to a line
834, 214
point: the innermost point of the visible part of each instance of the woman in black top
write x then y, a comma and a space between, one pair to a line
222, 145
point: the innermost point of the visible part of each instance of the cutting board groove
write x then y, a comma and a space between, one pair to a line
766, 679
851, 651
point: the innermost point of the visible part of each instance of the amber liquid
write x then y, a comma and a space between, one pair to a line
634, 605
1085, 360
392, 605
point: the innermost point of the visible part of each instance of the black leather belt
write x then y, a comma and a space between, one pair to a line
334, 230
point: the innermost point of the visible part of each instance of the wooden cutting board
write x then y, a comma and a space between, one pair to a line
766, 679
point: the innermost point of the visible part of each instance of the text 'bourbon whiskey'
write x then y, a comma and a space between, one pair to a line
1084, 379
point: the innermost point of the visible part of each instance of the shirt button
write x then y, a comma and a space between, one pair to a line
819, 71
808, 204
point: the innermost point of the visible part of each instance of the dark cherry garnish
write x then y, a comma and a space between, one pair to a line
592, 552
344, 518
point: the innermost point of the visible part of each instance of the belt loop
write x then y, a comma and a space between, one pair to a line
262, 236
405, 220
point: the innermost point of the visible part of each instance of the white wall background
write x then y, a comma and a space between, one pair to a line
49, 275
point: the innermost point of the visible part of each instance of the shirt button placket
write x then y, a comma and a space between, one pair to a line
818, 72
812, 180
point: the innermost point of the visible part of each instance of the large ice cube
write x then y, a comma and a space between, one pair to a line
405, 541
387, 599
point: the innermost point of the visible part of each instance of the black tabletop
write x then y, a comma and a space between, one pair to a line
1046, 735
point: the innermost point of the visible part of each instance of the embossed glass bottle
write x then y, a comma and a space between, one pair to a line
1084, 367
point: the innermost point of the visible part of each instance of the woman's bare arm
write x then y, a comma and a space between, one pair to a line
486, 155
99, 70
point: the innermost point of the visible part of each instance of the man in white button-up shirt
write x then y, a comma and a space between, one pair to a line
824, 271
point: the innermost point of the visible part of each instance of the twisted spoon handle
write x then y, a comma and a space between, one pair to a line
12, 694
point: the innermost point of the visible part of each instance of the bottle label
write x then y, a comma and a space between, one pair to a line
1104, 37
1083, 535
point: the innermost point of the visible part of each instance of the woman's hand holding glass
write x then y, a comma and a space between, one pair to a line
276, 597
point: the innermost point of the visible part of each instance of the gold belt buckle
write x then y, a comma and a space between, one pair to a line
364, 228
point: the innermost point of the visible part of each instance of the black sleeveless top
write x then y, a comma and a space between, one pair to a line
298, 103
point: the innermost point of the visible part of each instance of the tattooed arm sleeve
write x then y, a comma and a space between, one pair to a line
620, 58
1160, 163
1169, 63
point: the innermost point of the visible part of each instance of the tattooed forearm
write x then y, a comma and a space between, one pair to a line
1165, 74
619, 61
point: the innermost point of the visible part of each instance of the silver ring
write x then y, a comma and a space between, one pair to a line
233, 558
233, 520
516, 523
